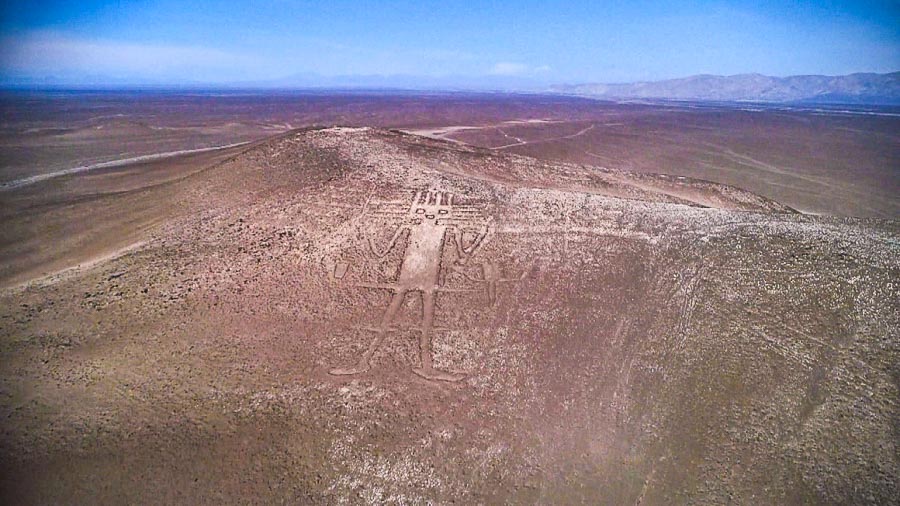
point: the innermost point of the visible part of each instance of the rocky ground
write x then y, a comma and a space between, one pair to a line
596, 337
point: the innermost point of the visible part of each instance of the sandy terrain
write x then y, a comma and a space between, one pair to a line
357, 315
823, 163
56, 223
825, 160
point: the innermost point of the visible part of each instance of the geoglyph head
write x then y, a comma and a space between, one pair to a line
431, 206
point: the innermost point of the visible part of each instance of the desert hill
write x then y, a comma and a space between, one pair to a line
354, 315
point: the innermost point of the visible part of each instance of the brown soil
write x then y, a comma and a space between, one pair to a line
546, 333
821, 161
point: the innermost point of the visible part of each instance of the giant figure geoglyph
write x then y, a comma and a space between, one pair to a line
429, 222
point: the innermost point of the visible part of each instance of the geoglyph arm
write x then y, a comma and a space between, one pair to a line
465, 253
390, 246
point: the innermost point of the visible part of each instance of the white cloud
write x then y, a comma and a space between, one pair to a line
505, 68
443, 54
49, 52
517, 69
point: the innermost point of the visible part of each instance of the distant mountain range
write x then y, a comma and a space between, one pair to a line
850, 89
310, 80
301, 81
862, 88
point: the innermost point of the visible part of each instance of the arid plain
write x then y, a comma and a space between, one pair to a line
447, 298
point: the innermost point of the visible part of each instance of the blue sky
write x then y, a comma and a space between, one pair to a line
540, 41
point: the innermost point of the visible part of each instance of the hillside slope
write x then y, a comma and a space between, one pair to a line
365, 316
